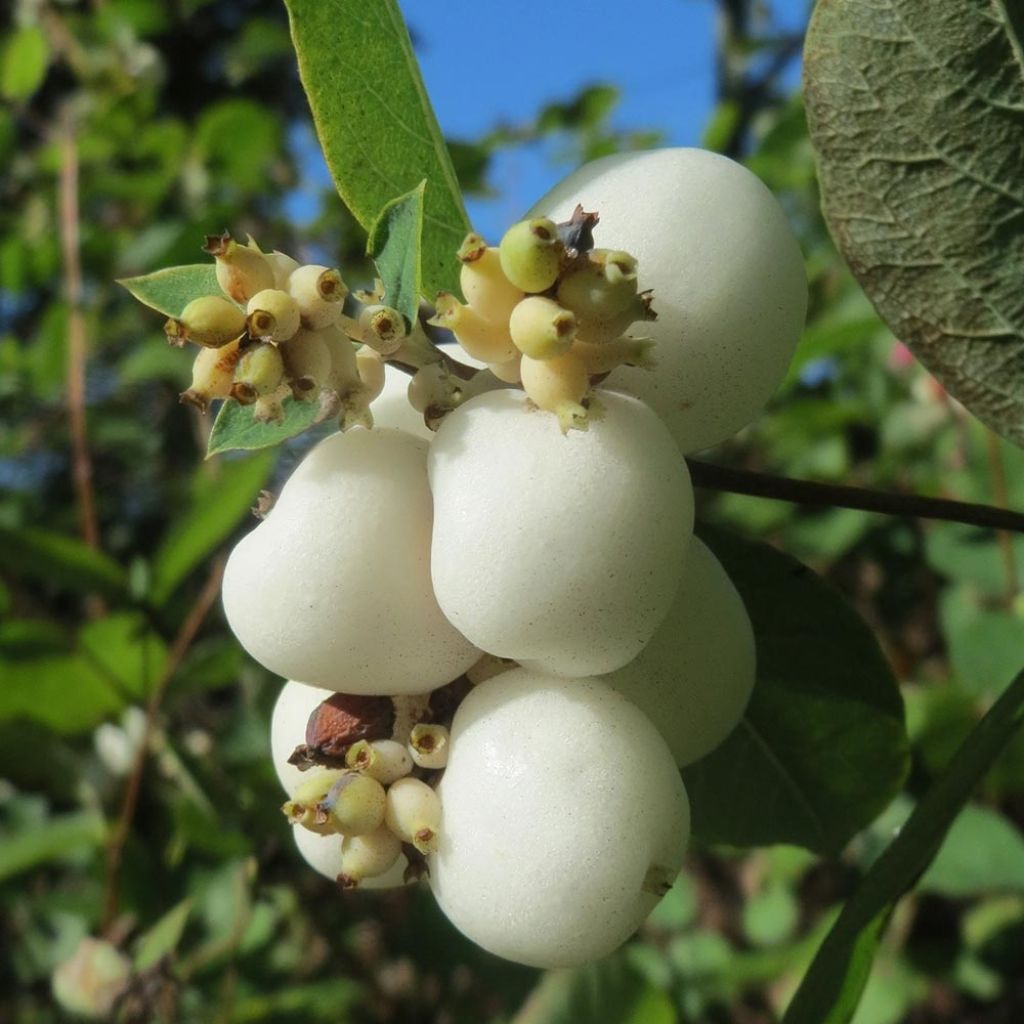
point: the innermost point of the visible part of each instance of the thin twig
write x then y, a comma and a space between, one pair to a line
1001, 494
805, 492
182, 643
81, 461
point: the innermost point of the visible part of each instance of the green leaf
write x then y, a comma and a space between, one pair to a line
832, 986
23, 62
318, 1001
821, 748
376, 126
984, 643
123, 649
61, 561
982, 853
607, 992
162, 939
932, 227
170, 290
236, 429
394, 243
49, 840
219, 501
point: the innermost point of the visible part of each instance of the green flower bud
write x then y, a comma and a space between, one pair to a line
486, 340
604, 357
558, 385
601, 287
600, 332
367, 856
530, 254
370, 365
344, 375
307, 364
541, 328
428, 745
382, 328
241, 271
319, 293
273, 315
483, 282
307, 806
213, 374
413, 813
284, 266
211, 321
260, 371
356, 803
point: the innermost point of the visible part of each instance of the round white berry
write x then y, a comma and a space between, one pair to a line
295, 704
324, 855
564, 818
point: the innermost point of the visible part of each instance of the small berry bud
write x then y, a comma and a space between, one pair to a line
270, 408
319, 293
433, 388
344, 375
260, 371
367, 856
602, 287
307, 363
541, 328
213, 374
428, 745
273, 315
600, 332
372, 375
283, 266
356, 803
604, 358
307, 808
486, 340
211, 321
383, 760
413, 813
558, 385
483, 282
241, 270
382, 328
508, 373
530, 253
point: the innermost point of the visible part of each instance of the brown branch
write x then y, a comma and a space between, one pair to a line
81, 461
179, 648
815, 495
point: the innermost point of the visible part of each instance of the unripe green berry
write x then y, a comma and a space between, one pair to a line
384, 760
382, 328
283, 266
558, 385
213, 374
484, 339
344, 375
307, 363
600, 288
319, 293
432, 387
541, 328
210, 321
307, 807
367, 856
428, 745
356, 803
260, 371
530, 253
600, 332
370, 365
241, 271
605, 357
483, 282
413, 813
273, 315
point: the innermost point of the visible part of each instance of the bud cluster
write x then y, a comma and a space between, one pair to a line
547, 310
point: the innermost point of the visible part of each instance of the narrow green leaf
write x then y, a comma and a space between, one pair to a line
831, 989
235, 427
49, 840
375, 122
607, 992
123, 649
61, 561
218, 503
916, 113
23, 62
318, 1001
394, 243
170, 290
162, 939
822, 747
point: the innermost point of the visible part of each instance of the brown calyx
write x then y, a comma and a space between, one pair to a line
339, 722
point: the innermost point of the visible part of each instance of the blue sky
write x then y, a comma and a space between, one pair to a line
486, 62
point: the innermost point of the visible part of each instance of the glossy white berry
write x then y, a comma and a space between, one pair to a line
563, 550
295, 704
333, 587
695, 677
564, 819
728, 277
324, 855
393, 409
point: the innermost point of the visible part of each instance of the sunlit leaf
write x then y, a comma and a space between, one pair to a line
169, 291
394, 243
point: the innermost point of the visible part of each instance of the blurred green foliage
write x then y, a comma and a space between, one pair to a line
182, 119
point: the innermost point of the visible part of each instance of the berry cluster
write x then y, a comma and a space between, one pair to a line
502, 638
279, 331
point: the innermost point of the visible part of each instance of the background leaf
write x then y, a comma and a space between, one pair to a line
394, 243
379, 141
822, 747
831, 989
169, 291
49, 840
915, 112
235, 428
23, 61
162, 939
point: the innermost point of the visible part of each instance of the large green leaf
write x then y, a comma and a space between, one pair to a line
915, 111
61, 561
23, 60
831, 989
821, 748
169, 291
375, 123
236, 429
982, 853
123, 649
607, 992
219, 501
394, 243
49, 840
